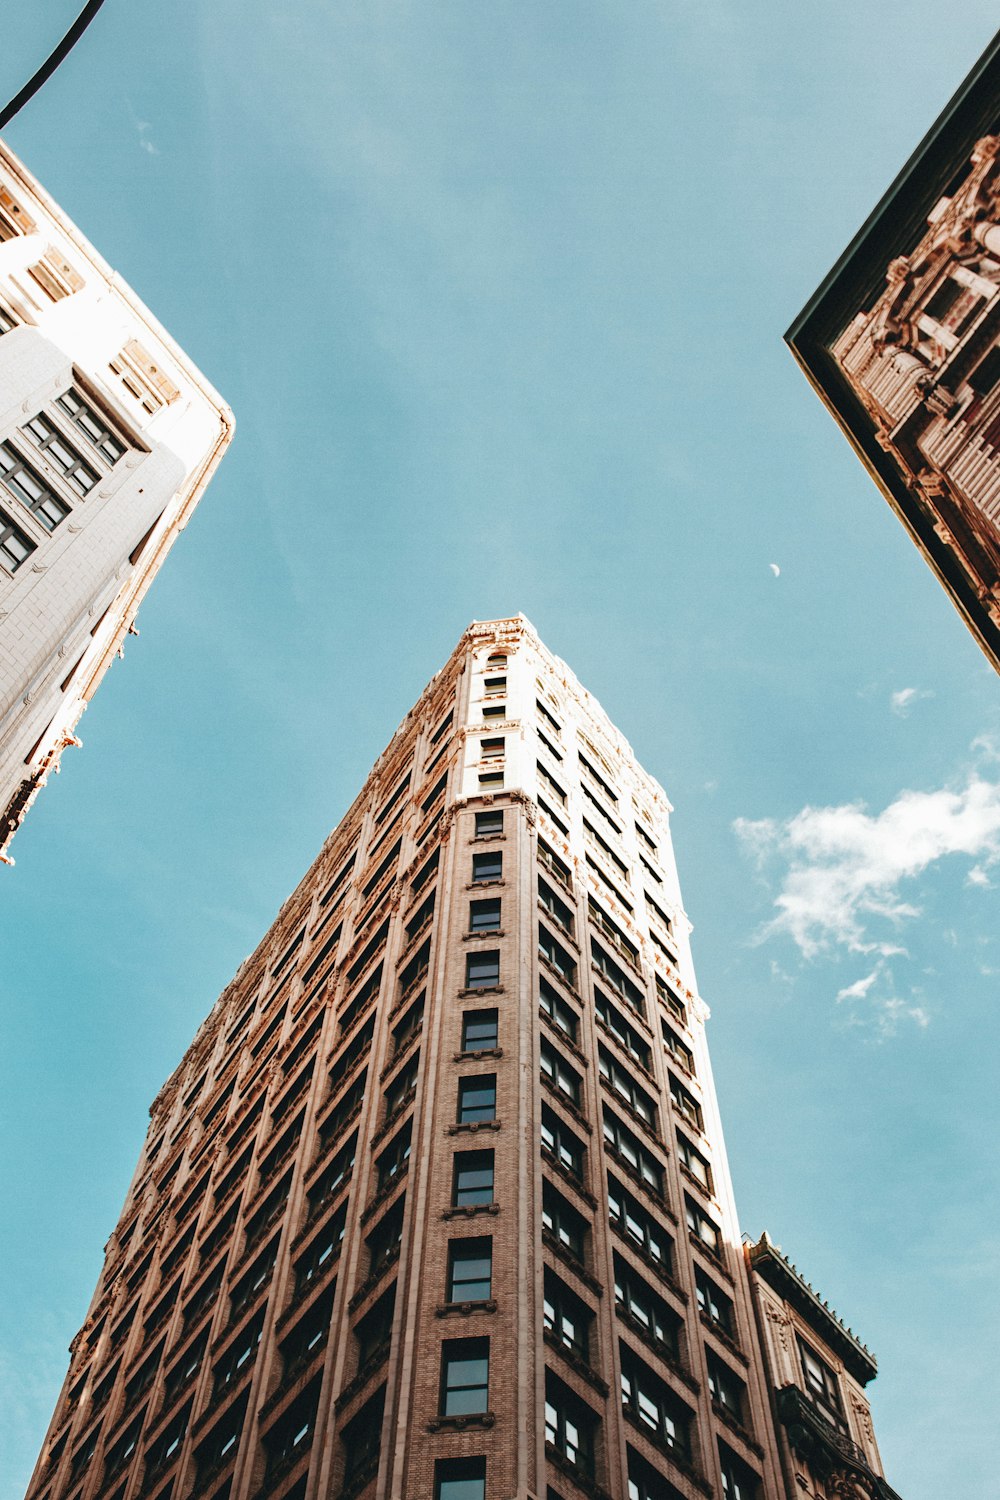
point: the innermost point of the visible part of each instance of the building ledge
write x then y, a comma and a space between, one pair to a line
780, 1274
829, 1453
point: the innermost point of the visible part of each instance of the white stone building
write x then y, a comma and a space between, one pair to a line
108, 437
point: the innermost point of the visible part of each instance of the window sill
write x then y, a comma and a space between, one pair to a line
563, 1099
469, 1127
735, 1425
478, 1055
465, 1309
553, 1243
469, 1210
713, 1256
473, 1419
482, 885
481, 989
576, 1362
575, 1182
577, 1476
724, 1338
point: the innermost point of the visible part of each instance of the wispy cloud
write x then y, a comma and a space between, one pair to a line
847, 870
903, 700
872, 1003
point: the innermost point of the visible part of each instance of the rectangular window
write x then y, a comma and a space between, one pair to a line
557, 1072
558, 1011
562, 1145
15, 546
822, 1385
679, 1051
465, 1376
495, 685
470, 1270
563, 1222
460, 1479
93, 426
598, 780
482, 970
489, 824
407, 1028
618, 1078
7, 319
374, 1330
714, 1304
395, 1158
593, 838
646, 1310
623, 1032
472, 1181
728, 1391
385, 1239
238, 1357
487, 867
494, 710
477, 1098
553, 817
566, 1317
639, 1228
491, 749
701, 1227
555, 906
548, 718
491, 781
694, 1162
322, 1253
81, 475
673, 1002
647, 1483
653, 1406
570, 1425
402, 1088
629, 1149
479, 1030
550, 786
21, 481
619, 981
554, 953
686, 1103
168, 1444
362, 1441
484, 916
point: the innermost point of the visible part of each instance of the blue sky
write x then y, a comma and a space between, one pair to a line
497, 293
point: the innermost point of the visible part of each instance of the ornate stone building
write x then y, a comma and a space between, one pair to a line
436, 1206
903, 342
108, 437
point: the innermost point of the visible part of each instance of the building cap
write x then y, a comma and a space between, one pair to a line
785, 1278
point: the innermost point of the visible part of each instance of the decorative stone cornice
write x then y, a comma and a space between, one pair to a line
830, 1454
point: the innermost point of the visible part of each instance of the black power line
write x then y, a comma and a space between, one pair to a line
52, 62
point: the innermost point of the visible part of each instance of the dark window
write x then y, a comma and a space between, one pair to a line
122, 1449
694, 1162
407, 1028
420, 917
470, 1270
482, 970
570, 1425
487, 866
477, 1098
28, 487
615, 975
81, 475
494, 710
714, 1303
647, 1483
374, 1331
739, 1482
322, 1252
728, 1391
625, 1144
550, 720
291, 1435
168, 1444
555, 906
654, 1407
356, 1048
563, 1222
623, 1031
559, 1012
362, 1439
636, 1225
86, 420
247, 1288
402, 1088
565, 1316
395, 1158
238, 1356
679, 1051
704, 1230
673, 1002
986, 374
821, 1384
333, 1177
385, 1239
427, 869
185, 1369
15, 546
222, 1441
473, 1178
559, 1074
465, 1376
460, 1479
489, 824
484, 916
479, 1030
492, 749
555, 954
143, 1377
555, 866
686, 1103
618, 1078
646, 1309
561, 1144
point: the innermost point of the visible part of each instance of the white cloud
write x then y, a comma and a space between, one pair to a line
880, 1013
775, 569
846, 868
978, 876
902, 701
859, 989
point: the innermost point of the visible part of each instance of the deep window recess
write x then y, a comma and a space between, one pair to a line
470, 1270
362, 1441
639, 1227
495, 685
623, 1031
563, 1222
487, 866
598, 780
559, 1074
86, 420
679, 1051
333, 1177
565, 1316
168, 1444
322, 1253
291, 1435
479, 1030
625, 1144
477, 1098
548, 718
646, 1309
550, 785
482, 970
391, 802
407, 1028
618, 1077
238, 1356
473, 1178
555, 906
728, 1391
562, 1145
592, 836
714, 1303
401, 1089
222, 1441
653, 1406
465, 1374
494, 710
427, 869
686, 1103
694, 1162
570, 1425
374, 1331
647, 1483
395, 1158
25, 485
420, 917
822, 1385
673, 1002
556, 1008
491, 749
81, 475
555, 954
385, 1239
704, 1230
739, 1482
616, 977
442, 728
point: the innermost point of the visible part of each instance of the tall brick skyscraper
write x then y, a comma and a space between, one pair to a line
436, 1206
